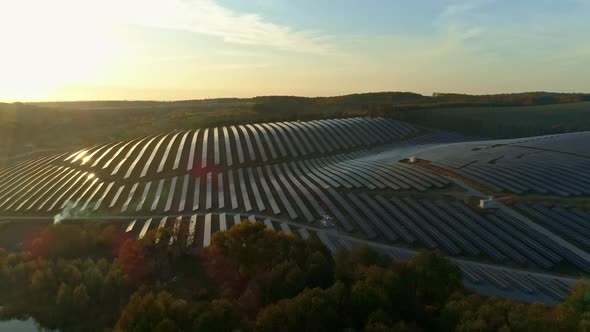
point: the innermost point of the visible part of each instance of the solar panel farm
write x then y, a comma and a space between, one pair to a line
511, 213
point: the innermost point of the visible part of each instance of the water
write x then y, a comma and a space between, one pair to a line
15, 325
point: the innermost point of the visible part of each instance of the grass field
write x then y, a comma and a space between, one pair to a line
65, 126
68, 125
25, 128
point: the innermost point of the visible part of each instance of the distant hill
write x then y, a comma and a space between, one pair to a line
408, 99
28, 127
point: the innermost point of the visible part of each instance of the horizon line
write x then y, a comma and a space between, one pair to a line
41, 101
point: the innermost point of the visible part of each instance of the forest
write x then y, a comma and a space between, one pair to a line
91, 277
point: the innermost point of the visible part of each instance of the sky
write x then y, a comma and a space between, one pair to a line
193, 49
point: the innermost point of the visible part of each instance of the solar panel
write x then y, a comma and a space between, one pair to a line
341, 219
144, 195
302, 133
232, 189
166, 153
273, 204
327, 242
192, 225
104, 194
175, 230
196, 193
277, 140
281, 132
237, 219
129, 198
228, 155
244, 191
145, 228
220, 191
399, 229
171, 194
104, 154
208, 198
42, 188
258, 143
222, 222
254, 187
64, 181
314, 137
75, 189
91, 197
285, 228
63, 193
281, 194
204, 149
293, 137
216, 146
268, 224
267, 140
179, 150
120, 164
302, 207
130, 226
191, 156
388, 233
303, 233
158, 194
152, 156
116, 197
182, 203
238, 142
207, 232
249, 145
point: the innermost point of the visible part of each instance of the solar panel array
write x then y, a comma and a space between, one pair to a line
140, 175
197, 230
290, 175
572, 224
517, 168
236, 145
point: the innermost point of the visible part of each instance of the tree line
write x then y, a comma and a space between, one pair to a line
93, 278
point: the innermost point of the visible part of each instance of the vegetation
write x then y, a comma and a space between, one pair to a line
504, 122
66, 125
91, 278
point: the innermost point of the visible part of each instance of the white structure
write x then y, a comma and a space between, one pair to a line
412, 159
487, 203
327, 221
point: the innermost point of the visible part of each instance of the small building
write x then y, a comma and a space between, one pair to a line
327, 221
412, 159
487, 203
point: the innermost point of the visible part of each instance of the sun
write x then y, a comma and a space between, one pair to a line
49, 44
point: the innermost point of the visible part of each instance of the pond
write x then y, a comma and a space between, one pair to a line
15, 325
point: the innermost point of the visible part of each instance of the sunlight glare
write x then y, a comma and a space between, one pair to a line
49, 44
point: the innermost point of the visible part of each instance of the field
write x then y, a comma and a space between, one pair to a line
32, 127
59, 126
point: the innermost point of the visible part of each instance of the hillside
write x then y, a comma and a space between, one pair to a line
504, 122
26, 127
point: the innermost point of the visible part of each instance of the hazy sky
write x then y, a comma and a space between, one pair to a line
182, 49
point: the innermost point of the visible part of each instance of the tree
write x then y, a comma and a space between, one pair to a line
80, 297
132, 259
311, 310
220, 315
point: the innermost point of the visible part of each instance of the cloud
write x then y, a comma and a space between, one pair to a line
210, 18
458, 8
